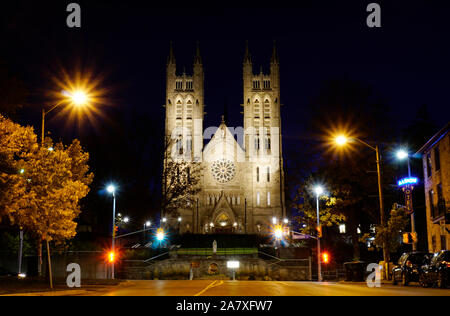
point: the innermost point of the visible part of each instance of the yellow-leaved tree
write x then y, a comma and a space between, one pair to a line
45, 184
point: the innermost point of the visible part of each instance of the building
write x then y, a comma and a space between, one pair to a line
436, 165
242, 167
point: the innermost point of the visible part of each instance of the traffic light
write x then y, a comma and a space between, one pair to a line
408, 238
325, 257
414, 237
112, 257
160, 234
319, 231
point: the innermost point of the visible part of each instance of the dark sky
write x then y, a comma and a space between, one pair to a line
405, 61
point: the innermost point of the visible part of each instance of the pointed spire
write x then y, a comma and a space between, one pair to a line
198, 57
247, 56
274, 59
171, 58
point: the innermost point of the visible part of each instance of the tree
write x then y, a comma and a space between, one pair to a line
349, 107
180, 180
44, 184
389, 235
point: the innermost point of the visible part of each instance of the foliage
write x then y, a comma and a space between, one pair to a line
390, 234
10, 242
180, 181
42, 187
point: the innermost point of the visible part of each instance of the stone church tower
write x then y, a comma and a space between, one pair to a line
242, 167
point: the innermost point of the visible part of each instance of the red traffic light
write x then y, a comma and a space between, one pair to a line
112, 257
325, 257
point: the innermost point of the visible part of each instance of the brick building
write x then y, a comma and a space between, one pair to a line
436, 164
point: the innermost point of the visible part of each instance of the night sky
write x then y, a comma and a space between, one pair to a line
127, 42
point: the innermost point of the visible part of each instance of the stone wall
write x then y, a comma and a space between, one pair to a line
250, 269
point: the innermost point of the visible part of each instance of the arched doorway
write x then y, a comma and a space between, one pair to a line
223, 224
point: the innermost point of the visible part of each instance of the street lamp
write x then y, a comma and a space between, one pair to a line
403, 154
146, 225
319, 191
342, 140
78, 98
112, 190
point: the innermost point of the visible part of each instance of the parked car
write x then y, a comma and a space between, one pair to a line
437, 272
409, 267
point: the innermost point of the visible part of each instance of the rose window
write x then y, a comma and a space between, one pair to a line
223, 170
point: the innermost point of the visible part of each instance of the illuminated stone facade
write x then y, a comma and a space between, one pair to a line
242, 173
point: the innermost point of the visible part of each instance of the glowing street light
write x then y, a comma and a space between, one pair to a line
112, 190
148, 224
278, 232
342, 140
403, 154
78, 98
160, 234
319, 191
126, 220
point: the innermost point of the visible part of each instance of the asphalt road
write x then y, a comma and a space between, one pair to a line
249, 288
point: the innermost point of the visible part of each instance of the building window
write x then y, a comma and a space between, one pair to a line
257, 174
179, 85
429, 169
443, 242
257, 142
266, 84
189, 85
268, 198
189, 145
258, 198
268, 143
437, 159
256, 84
430, 197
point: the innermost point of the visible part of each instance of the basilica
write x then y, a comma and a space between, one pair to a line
241, 181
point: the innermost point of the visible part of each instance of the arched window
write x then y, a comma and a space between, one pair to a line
268, 174
257, 174
268, 198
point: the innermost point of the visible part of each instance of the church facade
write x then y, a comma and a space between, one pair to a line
241, 181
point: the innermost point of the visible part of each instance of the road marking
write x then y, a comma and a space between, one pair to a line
283, 283
213, 284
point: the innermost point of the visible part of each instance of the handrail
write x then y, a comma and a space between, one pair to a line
156, 257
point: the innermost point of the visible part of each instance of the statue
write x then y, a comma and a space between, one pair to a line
215, 247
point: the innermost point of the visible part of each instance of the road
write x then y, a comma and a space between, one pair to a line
248, 288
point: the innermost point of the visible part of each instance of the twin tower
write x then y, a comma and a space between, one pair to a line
242, 181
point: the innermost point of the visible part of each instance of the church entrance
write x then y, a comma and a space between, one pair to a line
223, 224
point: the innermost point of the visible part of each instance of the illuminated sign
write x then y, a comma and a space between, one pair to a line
233, 264
407, 181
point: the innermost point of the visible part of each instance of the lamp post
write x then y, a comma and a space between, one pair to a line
319, 191
341, 141
146, 225
112, 190
401, 155
78, 98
